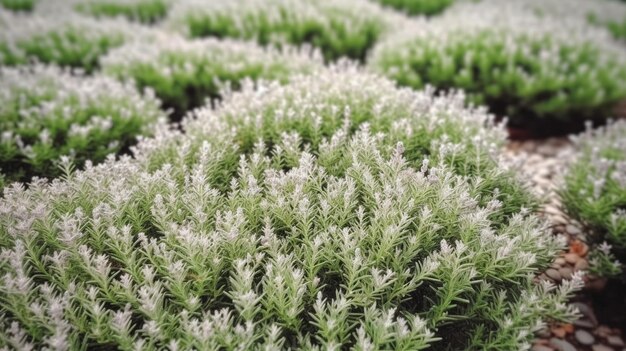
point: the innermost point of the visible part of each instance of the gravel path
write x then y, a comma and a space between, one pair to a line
543, 163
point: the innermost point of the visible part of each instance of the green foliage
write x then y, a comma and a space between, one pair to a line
418, 7
185, 73
18, 5
144, 11
338, 28
331, 232
46, 113
65, 40
595, 185
536, 71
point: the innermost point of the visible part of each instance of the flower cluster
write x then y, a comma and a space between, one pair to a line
48, 112
18, 5
185, 73
536, 70
144, 11
595, 186
418, 7
65, 39
338, 28
336, 212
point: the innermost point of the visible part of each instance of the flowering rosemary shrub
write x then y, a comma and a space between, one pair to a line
609, 14
185, 73
18, 5
65, 39
418, 7
595, 187
333, 233
145, 11
47, 112
536, 70
338, 28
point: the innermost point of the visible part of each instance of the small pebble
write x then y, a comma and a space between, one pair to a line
572, 229
586, 311
559, 332
571, 258
582, 265
584, 323
560, 261
615, 340
584, 337
566, 272
553, 274
601, 347
542, 348
562, 345
559, 219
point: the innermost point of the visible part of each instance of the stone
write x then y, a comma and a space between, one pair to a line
559, 219
601, 347
584, 337
571, 257
562, 345
582, 265
560, 261
566, 272
603, 331
586, 311
615, 340
584, 323
541, 348
553, 274
559, 332
572, 229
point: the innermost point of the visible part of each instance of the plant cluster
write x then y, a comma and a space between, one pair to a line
330, 213
66, 40
595, 190
144, 11
48, 112
185, 73
418, 7
338, 28
609, 14
535, 70
18, 5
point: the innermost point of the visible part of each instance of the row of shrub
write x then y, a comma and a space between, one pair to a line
334, 212
524, 60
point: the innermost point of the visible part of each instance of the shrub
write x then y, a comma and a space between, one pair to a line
418, 7
18, 5
65, 39
185, 73
541, 72
346, 241
595, 186
145, 11
47, 112
608, 14
337, 28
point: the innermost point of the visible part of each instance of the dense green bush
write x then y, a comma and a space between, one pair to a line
185, 73
332, 231
18, 5
536, 70
65, 39
46, 113
145, 11
418, 7
337, 28
595, 187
